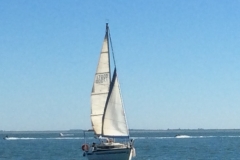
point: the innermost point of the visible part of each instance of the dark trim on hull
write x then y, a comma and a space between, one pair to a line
110, 152
100, 153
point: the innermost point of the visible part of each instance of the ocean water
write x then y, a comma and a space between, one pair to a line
149, 145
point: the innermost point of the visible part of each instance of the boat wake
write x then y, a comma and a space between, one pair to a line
16, 138
30, 138
182, 136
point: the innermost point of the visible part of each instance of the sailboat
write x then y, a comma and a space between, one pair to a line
108, 116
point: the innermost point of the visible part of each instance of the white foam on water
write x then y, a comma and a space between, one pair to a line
183, 136
30, 138
22, 138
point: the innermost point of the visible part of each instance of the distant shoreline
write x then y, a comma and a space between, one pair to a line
131, 130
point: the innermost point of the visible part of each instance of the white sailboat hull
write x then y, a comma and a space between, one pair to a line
113, 154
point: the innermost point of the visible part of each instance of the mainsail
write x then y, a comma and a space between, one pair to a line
100, 87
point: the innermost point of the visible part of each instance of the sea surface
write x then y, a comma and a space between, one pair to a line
149, 145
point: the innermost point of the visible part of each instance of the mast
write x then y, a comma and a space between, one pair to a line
107, 37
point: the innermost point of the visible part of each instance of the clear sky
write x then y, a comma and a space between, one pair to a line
178, 62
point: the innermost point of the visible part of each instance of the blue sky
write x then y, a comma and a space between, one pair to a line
178, 62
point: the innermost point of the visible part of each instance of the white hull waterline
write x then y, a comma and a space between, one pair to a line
113, 154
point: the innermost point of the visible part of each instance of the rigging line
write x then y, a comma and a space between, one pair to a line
112, 48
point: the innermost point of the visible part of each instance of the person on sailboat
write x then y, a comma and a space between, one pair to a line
93, 146
131, 142
110, 140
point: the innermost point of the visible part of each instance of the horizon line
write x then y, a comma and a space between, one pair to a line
62, 130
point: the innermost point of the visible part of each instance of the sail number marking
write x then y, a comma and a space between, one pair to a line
101, 78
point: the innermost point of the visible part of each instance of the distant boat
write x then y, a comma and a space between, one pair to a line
107, 112
65, 135
6, 137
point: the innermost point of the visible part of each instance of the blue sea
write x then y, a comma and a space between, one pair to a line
149, 145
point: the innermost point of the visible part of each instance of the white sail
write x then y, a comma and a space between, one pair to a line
114, 121
100, 87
